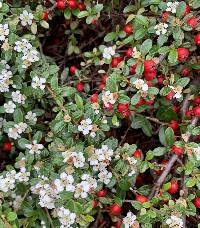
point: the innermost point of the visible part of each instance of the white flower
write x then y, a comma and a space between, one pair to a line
108, 52
66, 218
174, 222
172, 6
104, 176
85, 126
21, 127
161, 28
140, 85
7, 183
4, 31
135, 54
75, 158
22, 46
82, 190
38, 83
31, 116
18, 97
29, 58
34, 148
23, 175
108, 98
9, 107
1, 4
65, 183
26, 18
5, 76
129, 220
13, 133
197, 152
177, 91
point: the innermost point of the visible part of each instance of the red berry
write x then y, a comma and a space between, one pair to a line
128, 29
175, 108
104, 78
197, 39
133, 68
174, 125
139, 180
94, 98
170, 95
183, 54
94, 204
140, 102
80, 87
189, 113
192, 22
149, 66
45, 15
196, 100
150, 102
115, 209
126, 113
185, 72
102, 86
102, 193
122, 107
81, 6
118, 224
197, 202
196, 111
72, 70
173, 187
141, 198
177, 150
115, 61
129, 52
150, 75
187, 10
137, 154
160, 79
94, 22
165, 16
72, 4
60, 4
7, 146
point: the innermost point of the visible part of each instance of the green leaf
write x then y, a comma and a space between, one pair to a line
190, 182
135, 99
162, 136
139, 69
83, 14
180, 10
22, 142
196, 131
146, 46
169, 136
44, 24
34, 28
159, 151
58, 127
97, 8
166, 114
144, 166
18, 116
129, 8
140, 33
182, 82
110, 36
142, 20
173, 56
124, 185
79, 101
11, 216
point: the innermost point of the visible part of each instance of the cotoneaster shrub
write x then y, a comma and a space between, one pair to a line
66, 127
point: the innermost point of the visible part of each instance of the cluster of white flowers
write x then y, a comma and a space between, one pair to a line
161, 28
17, 130
129, 220
18, 97
7, 183
38, 83
132, 162
34, 148
31, 117
100, 159
172, 6
87, 184
4, 32
108, 99
26, 18
66, 218
65, 182
141, 85
74, 158
177, 91
5, 76
16, 200
108, 52
86, 127
9, 107
30, 55
174, 222
196, 151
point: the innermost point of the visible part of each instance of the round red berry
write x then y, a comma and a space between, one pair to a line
187, 10
72, 70
196, 100
45, 15
94, 98
122, 107
196, 202
177, 150
60, 4
141, 198
129, 52
7, 146
102, 193
133, 68
160, 79
118, 224
137, 154
192, 22
189, 113
173, 187
185, 72
81, 6
196, 111
149, 66
104, 78
128, 29
80, 87
165, 16
94, 204
115, 209
175, 108
197, 39
72, 4
115, 61
102, 86
150, 75
170, 95
174, 125
183, 54
94, 22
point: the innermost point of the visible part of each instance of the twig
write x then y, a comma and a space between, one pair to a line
49, 217
19, 206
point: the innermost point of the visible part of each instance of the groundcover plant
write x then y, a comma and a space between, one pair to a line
99, 111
